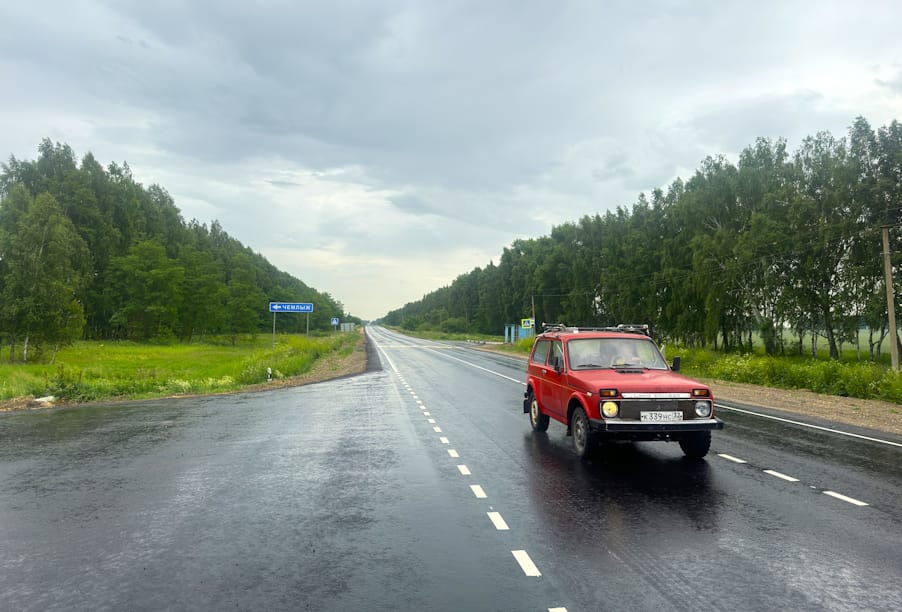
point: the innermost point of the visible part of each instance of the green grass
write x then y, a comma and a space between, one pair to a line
848, 350
847, 378
91, 371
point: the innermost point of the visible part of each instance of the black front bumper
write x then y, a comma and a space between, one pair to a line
654, 428
643, 431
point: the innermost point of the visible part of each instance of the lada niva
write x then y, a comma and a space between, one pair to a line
612, 383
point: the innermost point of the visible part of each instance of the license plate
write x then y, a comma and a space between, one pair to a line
661, 415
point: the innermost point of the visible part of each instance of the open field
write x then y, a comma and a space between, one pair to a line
96, 371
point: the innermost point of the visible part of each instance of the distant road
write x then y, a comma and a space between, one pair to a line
422, 487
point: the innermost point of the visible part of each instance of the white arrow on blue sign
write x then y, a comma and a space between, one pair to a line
290, 307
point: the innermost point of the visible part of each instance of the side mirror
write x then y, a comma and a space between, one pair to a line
676, 364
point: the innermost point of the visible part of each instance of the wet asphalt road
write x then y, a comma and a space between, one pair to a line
422, 487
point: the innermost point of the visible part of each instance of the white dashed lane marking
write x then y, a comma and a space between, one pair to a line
845, 498
732, 458
779, 475
522, 557
498, 521
851, 500
529, 568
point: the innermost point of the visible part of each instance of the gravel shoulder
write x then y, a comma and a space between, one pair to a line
868, 414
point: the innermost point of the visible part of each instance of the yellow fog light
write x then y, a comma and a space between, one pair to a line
610, 409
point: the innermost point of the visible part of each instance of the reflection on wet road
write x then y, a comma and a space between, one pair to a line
422, 487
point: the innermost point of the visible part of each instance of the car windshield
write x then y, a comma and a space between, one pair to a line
599, 353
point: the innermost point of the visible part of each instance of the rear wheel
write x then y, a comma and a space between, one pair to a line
582, 436
537, 419
696, 445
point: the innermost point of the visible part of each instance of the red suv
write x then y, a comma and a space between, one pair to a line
612, 383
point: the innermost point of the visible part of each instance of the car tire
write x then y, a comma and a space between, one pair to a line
582, 435
537, 418
697, 444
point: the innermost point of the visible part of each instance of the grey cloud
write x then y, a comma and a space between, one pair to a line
894, 84
735, 124
482, 119
283, 184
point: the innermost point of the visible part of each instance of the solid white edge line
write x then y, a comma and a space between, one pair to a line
731, 458
529, 568
453, 453
779, 475
464, 470
498, 521
845, 498
478, 492
836, 431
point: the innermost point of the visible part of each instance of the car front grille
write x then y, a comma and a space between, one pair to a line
630, 409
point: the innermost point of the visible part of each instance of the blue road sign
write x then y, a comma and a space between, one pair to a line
290, 307
335, 321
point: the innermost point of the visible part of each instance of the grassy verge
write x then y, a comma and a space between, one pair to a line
93, 371
861, 379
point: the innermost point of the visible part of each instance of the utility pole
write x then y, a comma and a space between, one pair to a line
533, 296
890, 305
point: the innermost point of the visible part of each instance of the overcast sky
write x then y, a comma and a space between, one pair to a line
378, 149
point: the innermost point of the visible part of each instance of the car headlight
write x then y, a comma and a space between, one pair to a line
610, 409
703, 409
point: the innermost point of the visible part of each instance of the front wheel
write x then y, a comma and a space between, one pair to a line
582, 436
537, 418
696, 445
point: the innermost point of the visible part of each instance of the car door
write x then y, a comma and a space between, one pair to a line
552, 380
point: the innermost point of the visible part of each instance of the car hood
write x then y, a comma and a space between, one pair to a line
630, 380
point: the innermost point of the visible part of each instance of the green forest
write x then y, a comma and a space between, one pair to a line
87, 252
783, 248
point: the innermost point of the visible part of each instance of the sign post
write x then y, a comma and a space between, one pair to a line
275, 307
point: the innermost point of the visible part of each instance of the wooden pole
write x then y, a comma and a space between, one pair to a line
890, 305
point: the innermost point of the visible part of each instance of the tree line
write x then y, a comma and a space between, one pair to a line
781, 246
88, 252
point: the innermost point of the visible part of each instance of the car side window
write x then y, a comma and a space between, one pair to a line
540, 355
557, 355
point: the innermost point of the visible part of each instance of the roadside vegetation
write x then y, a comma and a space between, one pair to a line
101, 370
781, 245
847, 377
89, 253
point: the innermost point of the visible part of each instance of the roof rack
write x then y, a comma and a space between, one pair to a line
622, 328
